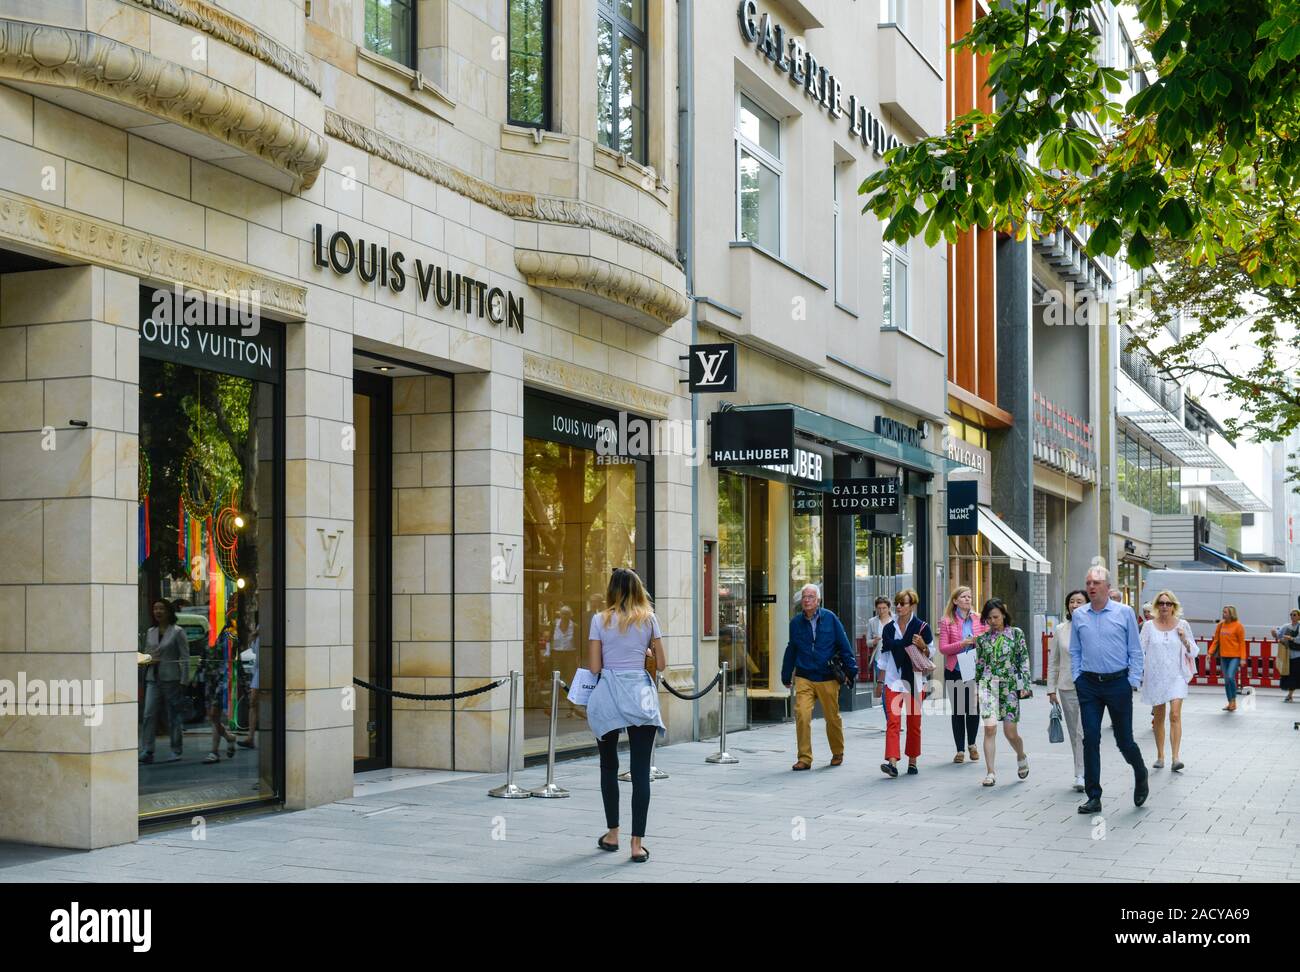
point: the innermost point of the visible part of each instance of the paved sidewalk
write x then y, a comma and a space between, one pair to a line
1233, 815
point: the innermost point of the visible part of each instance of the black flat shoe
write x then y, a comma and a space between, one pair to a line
642, 857
600, 842
912, 770
1140, 791
1092, 806
889, 769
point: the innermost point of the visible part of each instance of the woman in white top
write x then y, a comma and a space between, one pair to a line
1059, 686
1168, 655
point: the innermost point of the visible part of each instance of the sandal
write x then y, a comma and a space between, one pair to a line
642, 857
959, 758
212, 758
1177, 767
1022, 767
974, 755
989, 780
600, 842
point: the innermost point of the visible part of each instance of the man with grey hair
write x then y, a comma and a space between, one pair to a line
816, 638
1106, 663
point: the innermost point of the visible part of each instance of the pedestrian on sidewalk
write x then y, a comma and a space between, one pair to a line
1229, 643
1059, 687
1288, 654
958, 629
904, 684
1106, 664
1168, 657
875, 628
625, 649
1003, 675
817, 638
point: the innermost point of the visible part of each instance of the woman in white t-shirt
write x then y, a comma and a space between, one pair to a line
1168, 652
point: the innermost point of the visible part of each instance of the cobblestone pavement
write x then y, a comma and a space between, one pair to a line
1233, 815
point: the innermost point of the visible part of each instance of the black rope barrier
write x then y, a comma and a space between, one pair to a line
431, 698
698, 695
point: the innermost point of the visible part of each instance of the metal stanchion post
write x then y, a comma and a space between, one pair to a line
722, 756
550, 790
508, 790
655, 772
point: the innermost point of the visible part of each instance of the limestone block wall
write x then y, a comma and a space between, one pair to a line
68, 495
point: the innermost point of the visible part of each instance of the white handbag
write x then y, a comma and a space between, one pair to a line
581, 686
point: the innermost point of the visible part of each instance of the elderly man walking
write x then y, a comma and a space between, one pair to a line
1106, 663
816, 637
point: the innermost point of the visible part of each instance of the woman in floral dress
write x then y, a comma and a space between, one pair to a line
1002, 676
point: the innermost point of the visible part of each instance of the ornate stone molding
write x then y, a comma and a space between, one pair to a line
107, 244
570, 271
520, 205
237, 33
97, 65
563, 376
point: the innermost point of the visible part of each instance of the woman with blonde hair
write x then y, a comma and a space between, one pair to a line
1169, 656
625, 647
958, 629
1229, 643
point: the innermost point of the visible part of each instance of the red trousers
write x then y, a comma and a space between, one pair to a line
900, 705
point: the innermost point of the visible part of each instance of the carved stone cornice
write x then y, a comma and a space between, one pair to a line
520, 205
106, 244
563, 376
659, 305
237, 33
117, 72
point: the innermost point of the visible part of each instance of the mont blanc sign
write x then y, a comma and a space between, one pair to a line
375, 263
789, 56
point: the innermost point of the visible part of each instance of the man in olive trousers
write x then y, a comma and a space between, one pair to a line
816, 637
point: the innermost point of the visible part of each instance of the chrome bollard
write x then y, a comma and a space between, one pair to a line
550, 790
508, 790
722, 756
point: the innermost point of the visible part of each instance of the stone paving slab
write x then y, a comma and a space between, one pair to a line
1232, 816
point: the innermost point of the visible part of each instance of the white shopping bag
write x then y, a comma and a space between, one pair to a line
581, 686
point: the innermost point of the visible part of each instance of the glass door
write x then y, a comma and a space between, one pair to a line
372, 590
733, 595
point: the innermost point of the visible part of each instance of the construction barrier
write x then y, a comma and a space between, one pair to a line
1258, 668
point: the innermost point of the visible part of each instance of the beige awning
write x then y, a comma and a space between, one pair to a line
1019, 553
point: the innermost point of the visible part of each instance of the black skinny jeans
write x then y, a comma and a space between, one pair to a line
640, 740
965, 709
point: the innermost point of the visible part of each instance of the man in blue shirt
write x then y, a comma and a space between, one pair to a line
1106, 663
816, 636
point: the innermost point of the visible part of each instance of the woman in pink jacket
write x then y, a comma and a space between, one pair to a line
958, 629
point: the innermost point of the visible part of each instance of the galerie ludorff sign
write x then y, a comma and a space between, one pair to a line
789, 56
849, 497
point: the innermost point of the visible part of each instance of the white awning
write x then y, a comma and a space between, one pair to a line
1020, 554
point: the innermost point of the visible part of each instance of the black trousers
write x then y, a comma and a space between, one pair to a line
965, 708
640, 741
1116, 695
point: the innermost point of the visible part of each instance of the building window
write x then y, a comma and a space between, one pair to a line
839, 234
530, 63
758, 175
621, 76
894, 266
390, 29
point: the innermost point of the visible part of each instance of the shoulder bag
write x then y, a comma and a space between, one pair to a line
1189, 657
919, 662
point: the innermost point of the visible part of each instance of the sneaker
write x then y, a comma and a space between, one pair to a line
1078, 783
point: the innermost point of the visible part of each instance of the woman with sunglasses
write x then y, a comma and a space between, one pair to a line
1169, 654
904, 686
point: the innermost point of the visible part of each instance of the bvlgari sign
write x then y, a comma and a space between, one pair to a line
373, 262
789, 56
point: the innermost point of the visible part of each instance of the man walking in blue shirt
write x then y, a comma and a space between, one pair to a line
1106, 663
816, 637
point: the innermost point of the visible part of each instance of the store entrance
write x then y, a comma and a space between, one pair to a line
372, 647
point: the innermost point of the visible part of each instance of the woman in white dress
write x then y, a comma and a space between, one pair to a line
1169, 652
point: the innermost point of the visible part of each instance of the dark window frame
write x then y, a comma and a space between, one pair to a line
622, 27
547, 69
408, 58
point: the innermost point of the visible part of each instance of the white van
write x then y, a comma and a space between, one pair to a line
1263, 601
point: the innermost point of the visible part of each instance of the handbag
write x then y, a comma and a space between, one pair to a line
1055, 733
1189, 661
919, 662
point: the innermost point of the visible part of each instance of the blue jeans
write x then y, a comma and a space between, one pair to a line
1116, 695
1230, 666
